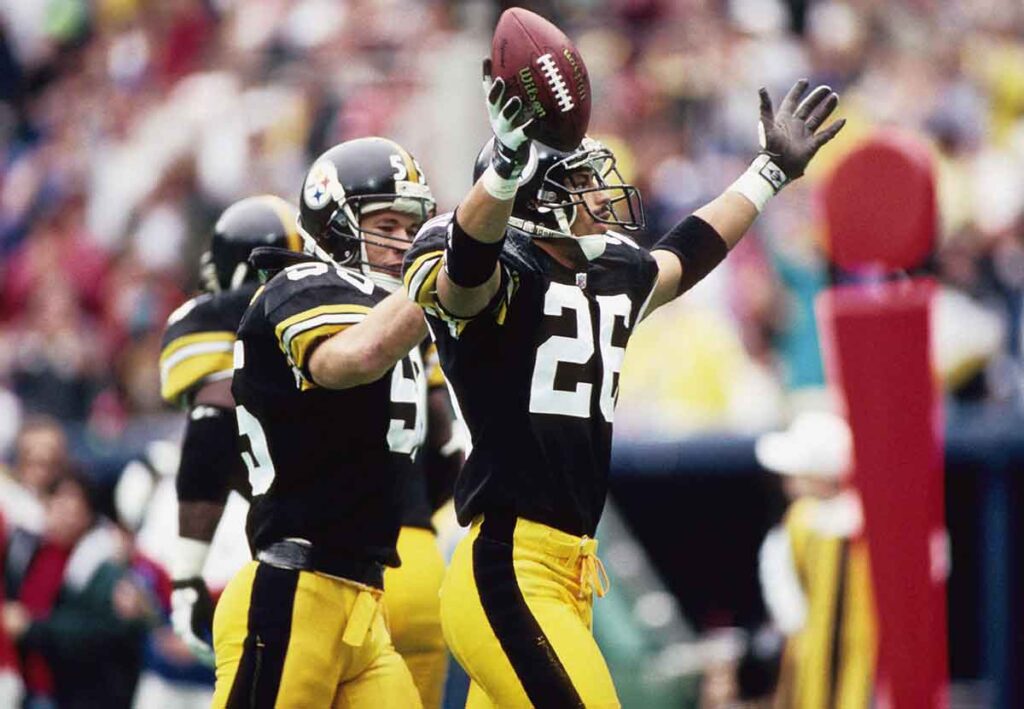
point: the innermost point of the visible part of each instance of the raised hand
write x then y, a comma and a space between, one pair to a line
788, 137
508, 122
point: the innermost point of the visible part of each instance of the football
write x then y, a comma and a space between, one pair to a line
543, 67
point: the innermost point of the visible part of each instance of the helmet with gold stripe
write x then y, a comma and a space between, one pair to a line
265, 220
362, 202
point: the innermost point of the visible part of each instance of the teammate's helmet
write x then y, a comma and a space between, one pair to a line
546, 202
353, 179
254, 221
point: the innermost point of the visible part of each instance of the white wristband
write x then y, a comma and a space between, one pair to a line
189, 558
497, 186
761, 181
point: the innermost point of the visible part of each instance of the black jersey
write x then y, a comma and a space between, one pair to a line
417, 510
198, 340
536, 374
324, 464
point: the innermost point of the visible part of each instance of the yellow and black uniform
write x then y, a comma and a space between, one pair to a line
302, 626
411, 597
536, 378
197, 350
198, 340
831, 661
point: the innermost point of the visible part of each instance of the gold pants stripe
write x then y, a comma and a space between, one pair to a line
518, 619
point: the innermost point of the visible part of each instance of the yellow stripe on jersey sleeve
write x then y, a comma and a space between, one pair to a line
296, 334
189, 360
421, 277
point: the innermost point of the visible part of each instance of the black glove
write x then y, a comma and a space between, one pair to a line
509, 122
788, 137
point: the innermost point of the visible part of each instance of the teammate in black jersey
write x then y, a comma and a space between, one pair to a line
195, 373
331, 404
532, 299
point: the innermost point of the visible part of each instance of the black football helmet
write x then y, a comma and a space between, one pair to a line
265, 220
347, 182
546, 202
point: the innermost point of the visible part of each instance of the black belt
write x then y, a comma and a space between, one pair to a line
301, 556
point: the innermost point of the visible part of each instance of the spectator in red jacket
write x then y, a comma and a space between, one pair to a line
77, 621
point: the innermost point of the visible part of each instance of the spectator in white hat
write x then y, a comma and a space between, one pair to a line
814, 568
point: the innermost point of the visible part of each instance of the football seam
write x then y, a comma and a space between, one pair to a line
550, 69
556, 81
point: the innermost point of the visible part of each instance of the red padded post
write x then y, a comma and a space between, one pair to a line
877, 350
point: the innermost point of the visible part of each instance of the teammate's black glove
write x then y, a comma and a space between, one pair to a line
788, 137
509, 122
192, 616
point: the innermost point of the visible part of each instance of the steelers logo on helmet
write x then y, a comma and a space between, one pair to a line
343, 194
321, 181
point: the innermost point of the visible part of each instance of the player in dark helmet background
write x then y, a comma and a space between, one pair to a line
532, 299
331, 399
195, 374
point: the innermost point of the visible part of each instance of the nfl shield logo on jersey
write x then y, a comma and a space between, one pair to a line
581, 280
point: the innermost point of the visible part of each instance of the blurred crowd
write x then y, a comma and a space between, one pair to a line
127, 125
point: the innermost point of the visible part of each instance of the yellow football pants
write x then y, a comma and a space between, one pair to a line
516, 610
414, 611
300, 639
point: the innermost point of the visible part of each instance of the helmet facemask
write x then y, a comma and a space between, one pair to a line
559, 194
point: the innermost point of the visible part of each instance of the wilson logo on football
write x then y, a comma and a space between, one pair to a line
556, 81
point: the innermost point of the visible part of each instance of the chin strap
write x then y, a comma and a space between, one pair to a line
382, 280
592, 245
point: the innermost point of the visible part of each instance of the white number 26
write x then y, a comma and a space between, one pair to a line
545, 398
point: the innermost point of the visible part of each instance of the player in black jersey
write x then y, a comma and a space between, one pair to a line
531, 300
331, 404
195, 373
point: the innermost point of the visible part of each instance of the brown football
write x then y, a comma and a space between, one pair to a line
543, 67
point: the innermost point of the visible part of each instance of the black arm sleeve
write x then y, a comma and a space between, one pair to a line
210, 462
698, 247
468, 262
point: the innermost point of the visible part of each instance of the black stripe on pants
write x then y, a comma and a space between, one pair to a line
542, 674
838, 622
271, 601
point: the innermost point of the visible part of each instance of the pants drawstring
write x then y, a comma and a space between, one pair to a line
593, 575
